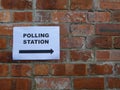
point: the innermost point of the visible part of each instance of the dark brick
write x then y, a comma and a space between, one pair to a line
52, 4
16, 4
108, 29
99, 42
116, 16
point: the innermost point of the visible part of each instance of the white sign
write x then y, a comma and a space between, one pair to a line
36, 43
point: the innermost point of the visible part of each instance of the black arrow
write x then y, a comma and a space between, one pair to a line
36, 51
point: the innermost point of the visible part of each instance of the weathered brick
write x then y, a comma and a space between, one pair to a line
117, 69
116, 16
88, 83
68, 16
116, 43
80, 55
113, 82
100, 69
53, 83
102, 54
41, 69
6, 29
5, 16
69, 69
99, 42
110, 4
3, 43
82, 30
111, 55
64, 30
22, 16
63, 56
21, 70
4, 69
43, 16
73, 42
99, 16
108, 29
52, 4
17, 4
115, 55
76, 42
81, 4
64, 42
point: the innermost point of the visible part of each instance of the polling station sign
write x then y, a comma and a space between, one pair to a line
36, 43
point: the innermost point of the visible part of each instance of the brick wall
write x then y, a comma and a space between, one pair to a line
90, 45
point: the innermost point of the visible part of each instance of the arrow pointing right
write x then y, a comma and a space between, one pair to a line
36, 51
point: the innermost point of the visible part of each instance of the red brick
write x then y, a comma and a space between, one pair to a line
5, 84
99, 42
43, 16
76, 42
103, 55
113, 82
108, 29
52, 4
53, 83
22, 16
5, 16
81, 4
99, 16
4, 69
21, 70
63, 56
15, 84
116, 17
116, 42
79, 69
110, 4
3, 43
41, 69
88, 83
5, 56
22, 84
58, 69
99, 69
64, 28
68, 16
10, 43
69, 69
64, 42
7, 29
108, 55
82, 30
76, 55
17, 4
